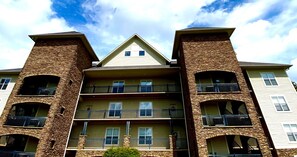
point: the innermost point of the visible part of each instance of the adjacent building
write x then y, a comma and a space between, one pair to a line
203, 102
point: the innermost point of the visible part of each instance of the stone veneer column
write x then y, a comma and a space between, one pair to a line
213, 52
81, 142
65, 58
126, 142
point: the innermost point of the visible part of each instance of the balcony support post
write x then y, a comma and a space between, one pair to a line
126, 142
172, 142
81, 142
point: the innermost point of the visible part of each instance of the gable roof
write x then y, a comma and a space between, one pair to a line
127, 41
70, 34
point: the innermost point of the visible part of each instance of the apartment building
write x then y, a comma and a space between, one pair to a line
203, 102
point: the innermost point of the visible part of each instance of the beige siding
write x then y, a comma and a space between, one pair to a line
118, 57
4, 94
273, 118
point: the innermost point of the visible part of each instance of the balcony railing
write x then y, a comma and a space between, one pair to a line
38, 91
101, 143
226, 120
217, 87
25, 121
131, 89
236, 155
105, 114
181, 143
4, 153
73, 142
150, 143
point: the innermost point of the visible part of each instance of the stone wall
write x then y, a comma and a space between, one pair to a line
214, 52
64, 58
287, 152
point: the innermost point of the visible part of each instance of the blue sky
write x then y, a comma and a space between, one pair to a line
266, 30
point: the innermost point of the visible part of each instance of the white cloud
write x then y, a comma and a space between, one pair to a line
17, 20
156, 22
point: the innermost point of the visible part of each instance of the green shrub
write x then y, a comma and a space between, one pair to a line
122, 152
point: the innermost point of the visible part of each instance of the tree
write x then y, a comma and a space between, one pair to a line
121, 152
295, 85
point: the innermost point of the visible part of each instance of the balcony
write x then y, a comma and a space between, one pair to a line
216, 82
27, 115
224, 113
217, 87
16, 154
111, 114
39, 85
25, 121
18, 146
132, 89
233, 146
226, 120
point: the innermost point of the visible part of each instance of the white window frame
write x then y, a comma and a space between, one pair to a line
145, 136
112, 136
114, 110
269, 79
113, 85
152, 111
146, 81
278, 99
2, 85
290, 131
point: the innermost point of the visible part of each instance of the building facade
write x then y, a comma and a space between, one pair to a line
204, 102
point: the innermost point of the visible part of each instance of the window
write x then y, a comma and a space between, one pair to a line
145, 109
115, 109
280, 103
291, 130
146, 86
127, 53
269, 79
141, 53
112, 136
118, 86
4, 83
145, 135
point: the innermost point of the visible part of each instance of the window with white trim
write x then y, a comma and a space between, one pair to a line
118, 86
115, 109
112, 136
269, 79
145, 109
146, 86
4, 83
280, 103
291, 130
145, 136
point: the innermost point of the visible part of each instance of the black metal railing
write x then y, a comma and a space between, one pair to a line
217, 87
105, 114
131, 89
102, 143
38, 91
181, 143
235, 155
226, 120
150, 143
4, 153
72, 142
25, 121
